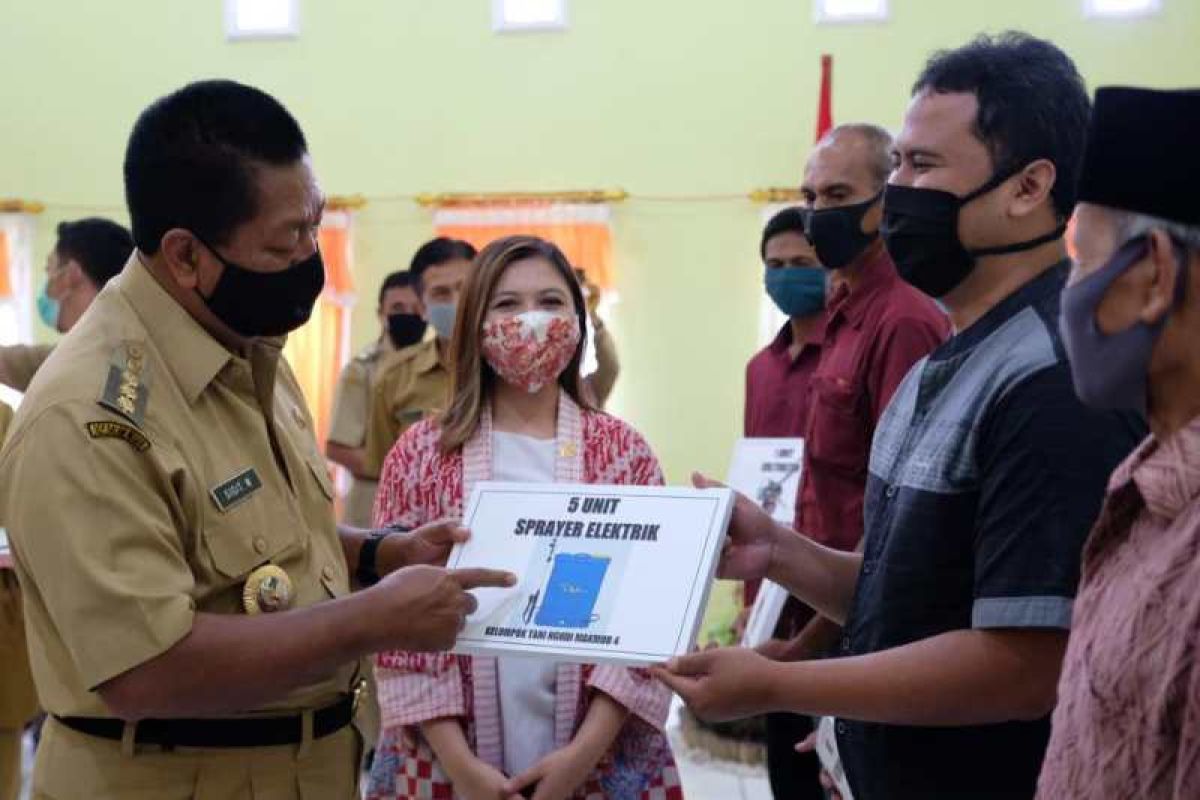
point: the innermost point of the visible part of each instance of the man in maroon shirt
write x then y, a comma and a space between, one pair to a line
878, 327
777, 405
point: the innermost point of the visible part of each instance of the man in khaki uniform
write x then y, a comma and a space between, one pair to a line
402, 326
414, 383
87, 254
18, 699
186, 590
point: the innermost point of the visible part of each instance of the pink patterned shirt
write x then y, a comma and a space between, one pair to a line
1128, 717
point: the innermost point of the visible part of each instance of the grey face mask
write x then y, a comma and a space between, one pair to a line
441, 317
1110, 370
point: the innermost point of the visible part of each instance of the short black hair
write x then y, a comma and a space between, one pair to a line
1033, 103
401, 279
438, 251
192, 155
790, 220
100, 247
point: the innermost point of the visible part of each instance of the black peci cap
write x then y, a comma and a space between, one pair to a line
1142, 153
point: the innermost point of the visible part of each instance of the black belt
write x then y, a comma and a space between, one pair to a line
214, 733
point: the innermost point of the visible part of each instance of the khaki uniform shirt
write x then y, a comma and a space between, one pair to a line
351, 411
147, 473
19, 363
411, 384
18, 699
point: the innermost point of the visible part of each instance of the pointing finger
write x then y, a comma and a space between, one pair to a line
476, 577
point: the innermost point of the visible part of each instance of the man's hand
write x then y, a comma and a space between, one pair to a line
723, 684
555, 777
428, 544
776, 650
809, 745
423, 608
750, 543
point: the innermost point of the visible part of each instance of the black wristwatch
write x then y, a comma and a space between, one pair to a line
367, 574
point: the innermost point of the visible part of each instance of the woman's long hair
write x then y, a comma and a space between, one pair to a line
472, 378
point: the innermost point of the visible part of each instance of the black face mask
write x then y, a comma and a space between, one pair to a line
405, 329
266, 303
836, 233
920, 231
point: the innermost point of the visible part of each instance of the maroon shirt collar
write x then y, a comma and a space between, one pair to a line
877, 274
783, 339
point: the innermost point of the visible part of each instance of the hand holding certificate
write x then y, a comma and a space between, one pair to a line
606, 573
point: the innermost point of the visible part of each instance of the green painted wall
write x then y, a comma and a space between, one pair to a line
656, 96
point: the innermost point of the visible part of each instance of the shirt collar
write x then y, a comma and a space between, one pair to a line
191, 354
426, 358
1166, 474
877, 274
1047, 283
815, 337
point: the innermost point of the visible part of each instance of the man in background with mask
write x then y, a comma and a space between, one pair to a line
986, 471
87, 253
415, 382
778, 400
878, 327
185, 586
1129, 699
402, 325
875, 328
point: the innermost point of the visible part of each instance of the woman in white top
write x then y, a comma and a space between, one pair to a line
479, 727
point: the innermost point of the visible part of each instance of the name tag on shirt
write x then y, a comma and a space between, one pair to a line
236, 489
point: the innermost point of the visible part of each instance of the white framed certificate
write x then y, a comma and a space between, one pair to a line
830, 758
616, 574
768, 470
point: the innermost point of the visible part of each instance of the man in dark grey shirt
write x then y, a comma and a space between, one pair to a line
986, 471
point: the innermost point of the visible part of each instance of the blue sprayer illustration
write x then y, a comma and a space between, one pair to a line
571, 592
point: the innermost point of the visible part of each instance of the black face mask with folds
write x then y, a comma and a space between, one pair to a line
257, 304
836, 233
405, 330
920, 231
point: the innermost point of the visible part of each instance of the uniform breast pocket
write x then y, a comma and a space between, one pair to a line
838, 436
253, 532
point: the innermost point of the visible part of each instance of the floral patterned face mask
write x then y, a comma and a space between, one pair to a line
530, 350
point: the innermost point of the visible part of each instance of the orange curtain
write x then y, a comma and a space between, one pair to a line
318, 350
587, 245
6, 289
